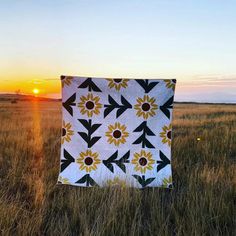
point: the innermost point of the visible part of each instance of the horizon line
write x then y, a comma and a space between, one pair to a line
60, 98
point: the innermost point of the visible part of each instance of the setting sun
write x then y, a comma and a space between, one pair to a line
36, 91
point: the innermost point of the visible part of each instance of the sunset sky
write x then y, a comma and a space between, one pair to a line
192, 41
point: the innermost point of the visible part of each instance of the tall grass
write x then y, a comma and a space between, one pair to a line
201, 203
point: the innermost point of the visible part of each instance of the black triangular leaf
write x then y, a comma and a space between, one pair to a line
93, 141
69, 103
142, 139
68, 156
108, 165
149, 132
169, 102
85, 123
125, 102
72, 98
113, 104
64, 164
141, 127
166, 106
92, 182
120, 111
84, 136
139, 139
122, 166
138, 178
144, 182
119, 163
147, 87
82, 180
108, 110
151, 86
86, 83
91, 85
165, 111
112, 101
95, 88
164, 161
160, 166
94, 128
125, 158
141, 82
67, 161
148, 181
146, 143
113, 156
91, 129
164, 158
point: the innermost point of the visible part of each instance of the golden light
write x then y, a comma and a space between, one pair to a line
35, 91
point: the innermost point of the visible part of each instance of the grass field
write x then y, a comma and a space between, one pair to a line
201, 203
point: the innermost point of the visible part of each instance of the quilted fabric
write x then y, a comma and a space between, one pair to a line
116, 132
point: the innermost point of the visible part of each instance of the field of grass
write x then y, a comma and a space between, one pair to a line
201, 203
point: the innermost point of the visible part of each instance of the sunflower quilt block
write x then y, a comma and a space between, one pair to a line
116, 132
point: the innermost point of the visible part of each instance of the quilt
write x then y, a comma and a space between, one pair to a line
116, 131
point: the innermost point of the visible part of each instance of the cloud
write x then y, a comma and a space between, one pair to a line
215, 78
208, 81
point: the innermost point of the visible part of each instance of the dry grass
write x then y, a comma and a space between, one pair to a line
202, 202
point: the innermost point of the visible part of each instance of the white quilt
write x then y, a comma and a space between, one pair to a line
116, 132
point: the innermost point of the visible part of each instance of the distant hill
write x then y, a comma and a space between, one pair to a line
206, 103
21, 97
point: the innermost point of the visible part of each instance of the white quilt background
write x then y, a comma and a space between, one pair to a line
102, 164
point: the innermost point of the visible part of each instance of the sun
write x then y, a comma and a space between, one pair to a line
35, 91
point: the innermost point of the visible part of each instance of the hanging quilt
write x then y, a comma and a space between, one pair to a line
116, 132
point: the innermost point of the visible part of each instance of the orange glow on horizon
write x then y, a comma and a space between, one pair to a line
38, 87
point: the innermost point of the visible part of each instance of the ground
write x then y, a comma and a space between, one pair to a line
201, 202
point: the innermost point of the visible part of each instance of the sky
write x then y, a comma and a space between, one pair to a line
192, 41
